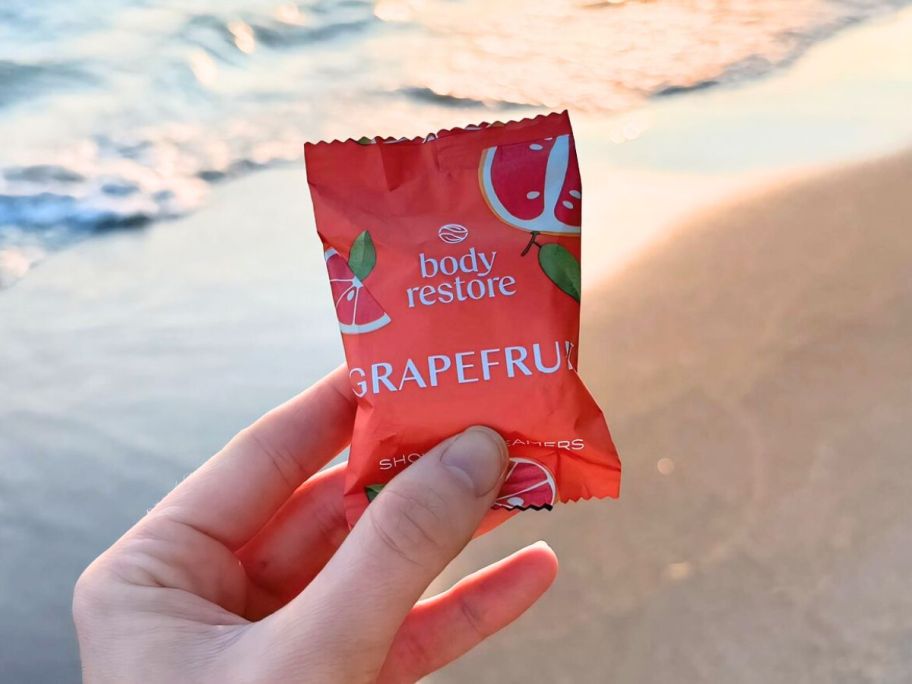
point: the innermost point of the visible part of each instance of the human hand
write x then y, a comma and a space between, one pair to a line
246, 572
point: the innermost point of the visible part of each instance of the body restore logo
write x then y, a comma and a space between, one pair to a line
452, 233
453, 278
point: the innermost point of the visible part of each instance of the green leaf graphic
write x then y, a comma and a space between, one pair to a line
364, 140
372, 490
562, 267
363, 256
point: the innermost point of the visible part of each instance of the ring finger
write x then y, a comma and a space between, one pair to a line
284, 556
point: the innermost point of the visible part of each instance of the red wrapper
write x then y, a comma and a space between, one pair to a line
454, 265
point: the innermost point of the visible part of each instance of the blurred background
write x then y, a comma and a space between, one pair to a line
747, 309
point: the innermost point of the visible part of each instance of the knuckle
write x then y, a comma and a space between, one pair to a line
101, 590
81, 598
89, 595
282, 459
331, 524
474, 617
411, 524
421, 652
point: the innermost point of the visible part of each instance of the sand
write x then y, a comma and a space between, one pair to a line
758, 351
747, 321
760, 358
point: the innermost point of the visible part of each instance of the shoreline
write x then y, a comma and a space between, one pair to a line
679, 153
843, 102
745, 319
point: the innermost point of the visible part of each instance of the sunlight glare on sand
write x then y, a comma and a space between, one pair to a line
641, 209
679, 571
665, 466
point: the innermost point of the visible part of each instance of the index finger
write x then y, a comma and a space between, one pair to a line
237, 491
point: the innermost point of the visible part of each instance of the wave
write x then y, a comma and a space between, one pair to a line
20, 81
426, 94
127, 113
289, 31
43, 196
558, 58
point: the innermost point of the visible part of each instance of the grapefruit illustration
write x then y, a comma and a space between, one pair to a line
528, 485
534, 186
357, 310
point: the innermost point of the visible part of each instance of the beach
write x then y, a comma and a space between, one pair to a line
763, 529
747, 316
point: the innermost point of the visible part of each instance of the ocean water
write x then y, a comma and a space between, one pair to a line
118, 113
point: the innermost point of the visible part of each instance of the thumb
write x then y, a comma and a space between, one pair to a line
405, 538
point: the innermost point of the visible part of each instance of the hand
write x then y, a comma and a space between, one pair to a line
247, 572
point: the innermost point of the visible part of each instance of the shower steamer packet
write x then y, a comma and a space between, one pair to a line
454, 264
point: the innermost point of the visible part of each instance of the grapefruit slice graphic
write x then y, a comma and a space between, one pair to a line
357, 311
534, 186
528, 485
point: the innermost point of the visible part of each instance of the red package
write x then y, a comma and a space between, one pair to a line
454, 263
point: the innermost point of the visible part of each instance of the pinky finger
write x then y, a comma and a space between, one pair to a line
441, 629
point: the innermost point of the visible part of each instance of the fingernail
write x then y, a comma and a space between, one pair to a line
479, 456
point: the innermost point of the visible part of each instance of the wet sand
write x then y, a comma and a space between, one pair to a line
755, 368
125, 362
